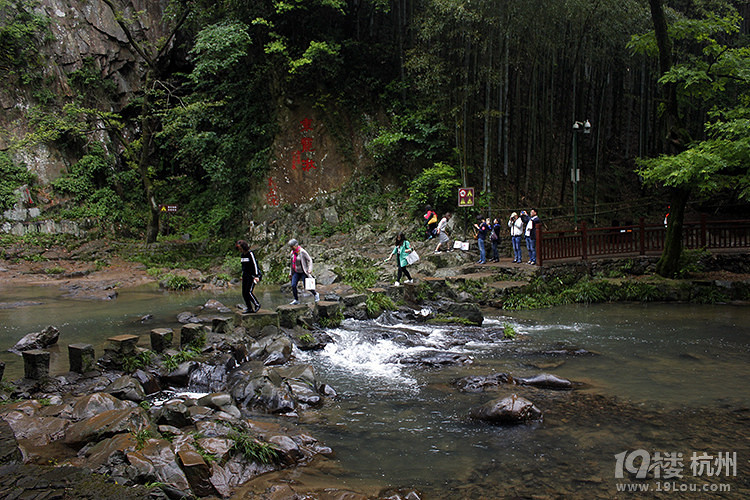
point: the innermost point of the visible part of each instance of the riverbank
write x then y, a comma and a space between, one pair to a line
96, 269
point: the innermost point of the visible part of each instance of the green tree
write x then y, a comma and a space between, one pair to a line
436, 186
712, 76
141, 151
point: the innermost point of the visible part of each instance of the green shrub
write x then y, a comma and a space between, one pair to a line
307, 338
376, 303
332, 322
175, 282
436, 186
12, 177
360, 275
137, 361
252, 449
188, 354
509, 332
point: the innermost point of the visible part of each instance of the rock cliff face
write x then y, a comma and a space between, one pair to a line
81, 30
306, 161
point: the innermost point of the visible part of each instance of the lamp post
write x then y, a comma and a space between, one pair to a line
575, 173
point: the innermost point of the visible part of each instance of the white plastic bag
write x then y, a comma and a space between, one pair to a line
412, 257
309, 284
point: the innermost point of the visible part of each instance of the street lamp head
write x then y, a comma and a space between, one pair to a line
586, 127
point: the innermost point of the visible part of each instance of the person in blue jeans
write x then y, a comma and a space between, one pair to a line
300, 267
531, 235
495, 239
516, 226
482, 228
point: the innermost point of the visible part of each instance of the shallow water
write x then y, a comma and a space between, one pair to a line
658, 377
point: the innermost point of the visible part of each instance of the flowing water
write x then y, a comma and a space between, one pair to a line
665, 378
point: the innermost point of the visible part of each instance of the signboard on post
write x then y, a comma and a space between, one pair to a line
168, 209
465, 197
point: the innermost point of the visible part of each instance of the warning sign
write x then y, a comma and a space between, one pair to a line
466, 197
168, 209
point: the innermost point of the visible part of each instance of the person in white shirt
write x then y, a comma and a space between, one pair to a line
441, 232
515, 223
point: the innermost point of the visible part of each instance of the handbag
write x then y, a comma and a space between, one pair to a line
412, 257
309, 284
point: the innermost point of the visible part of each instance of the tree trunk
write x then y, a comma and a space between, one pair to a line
669, 262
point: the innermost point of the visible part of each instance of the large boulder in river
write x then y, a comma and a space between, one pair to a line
510, 410
465, 311
37, 340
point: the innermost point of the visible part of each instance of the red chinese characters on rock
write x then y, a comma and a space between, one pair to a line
304, 158
273, 195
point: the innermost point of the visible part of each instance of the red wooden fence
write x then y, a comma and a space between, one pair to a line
638, 239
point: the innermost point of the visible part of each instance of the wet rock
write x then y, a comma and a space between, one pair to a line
466, 311
20, 303
286, 447
148, 381
93, 404
9, 452
219, 447
510, 410
481, 384
276, 390
127, 388
174, 413
265, 393
37, 340
435, 359
546, 381
97, 292
159, 454
99, 454
274, 349
106, 424
180, 376
187, 317
215, 305
36, 430
197, 472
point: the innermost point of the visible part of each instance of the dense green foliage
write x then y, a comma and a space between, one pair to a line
12, 177
22, 32
440, 94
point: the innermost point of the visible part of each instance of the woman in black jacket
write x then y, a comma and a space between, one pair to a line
250, 276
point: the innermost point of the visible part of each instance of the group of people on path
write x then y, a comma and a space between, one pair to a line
301, 264
524, 226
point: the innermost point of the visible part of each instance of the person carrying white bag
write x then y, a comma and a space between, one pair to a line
405, 254
301, 267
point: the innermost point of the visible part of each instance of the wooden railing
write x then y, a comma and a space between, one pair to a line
639, 239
